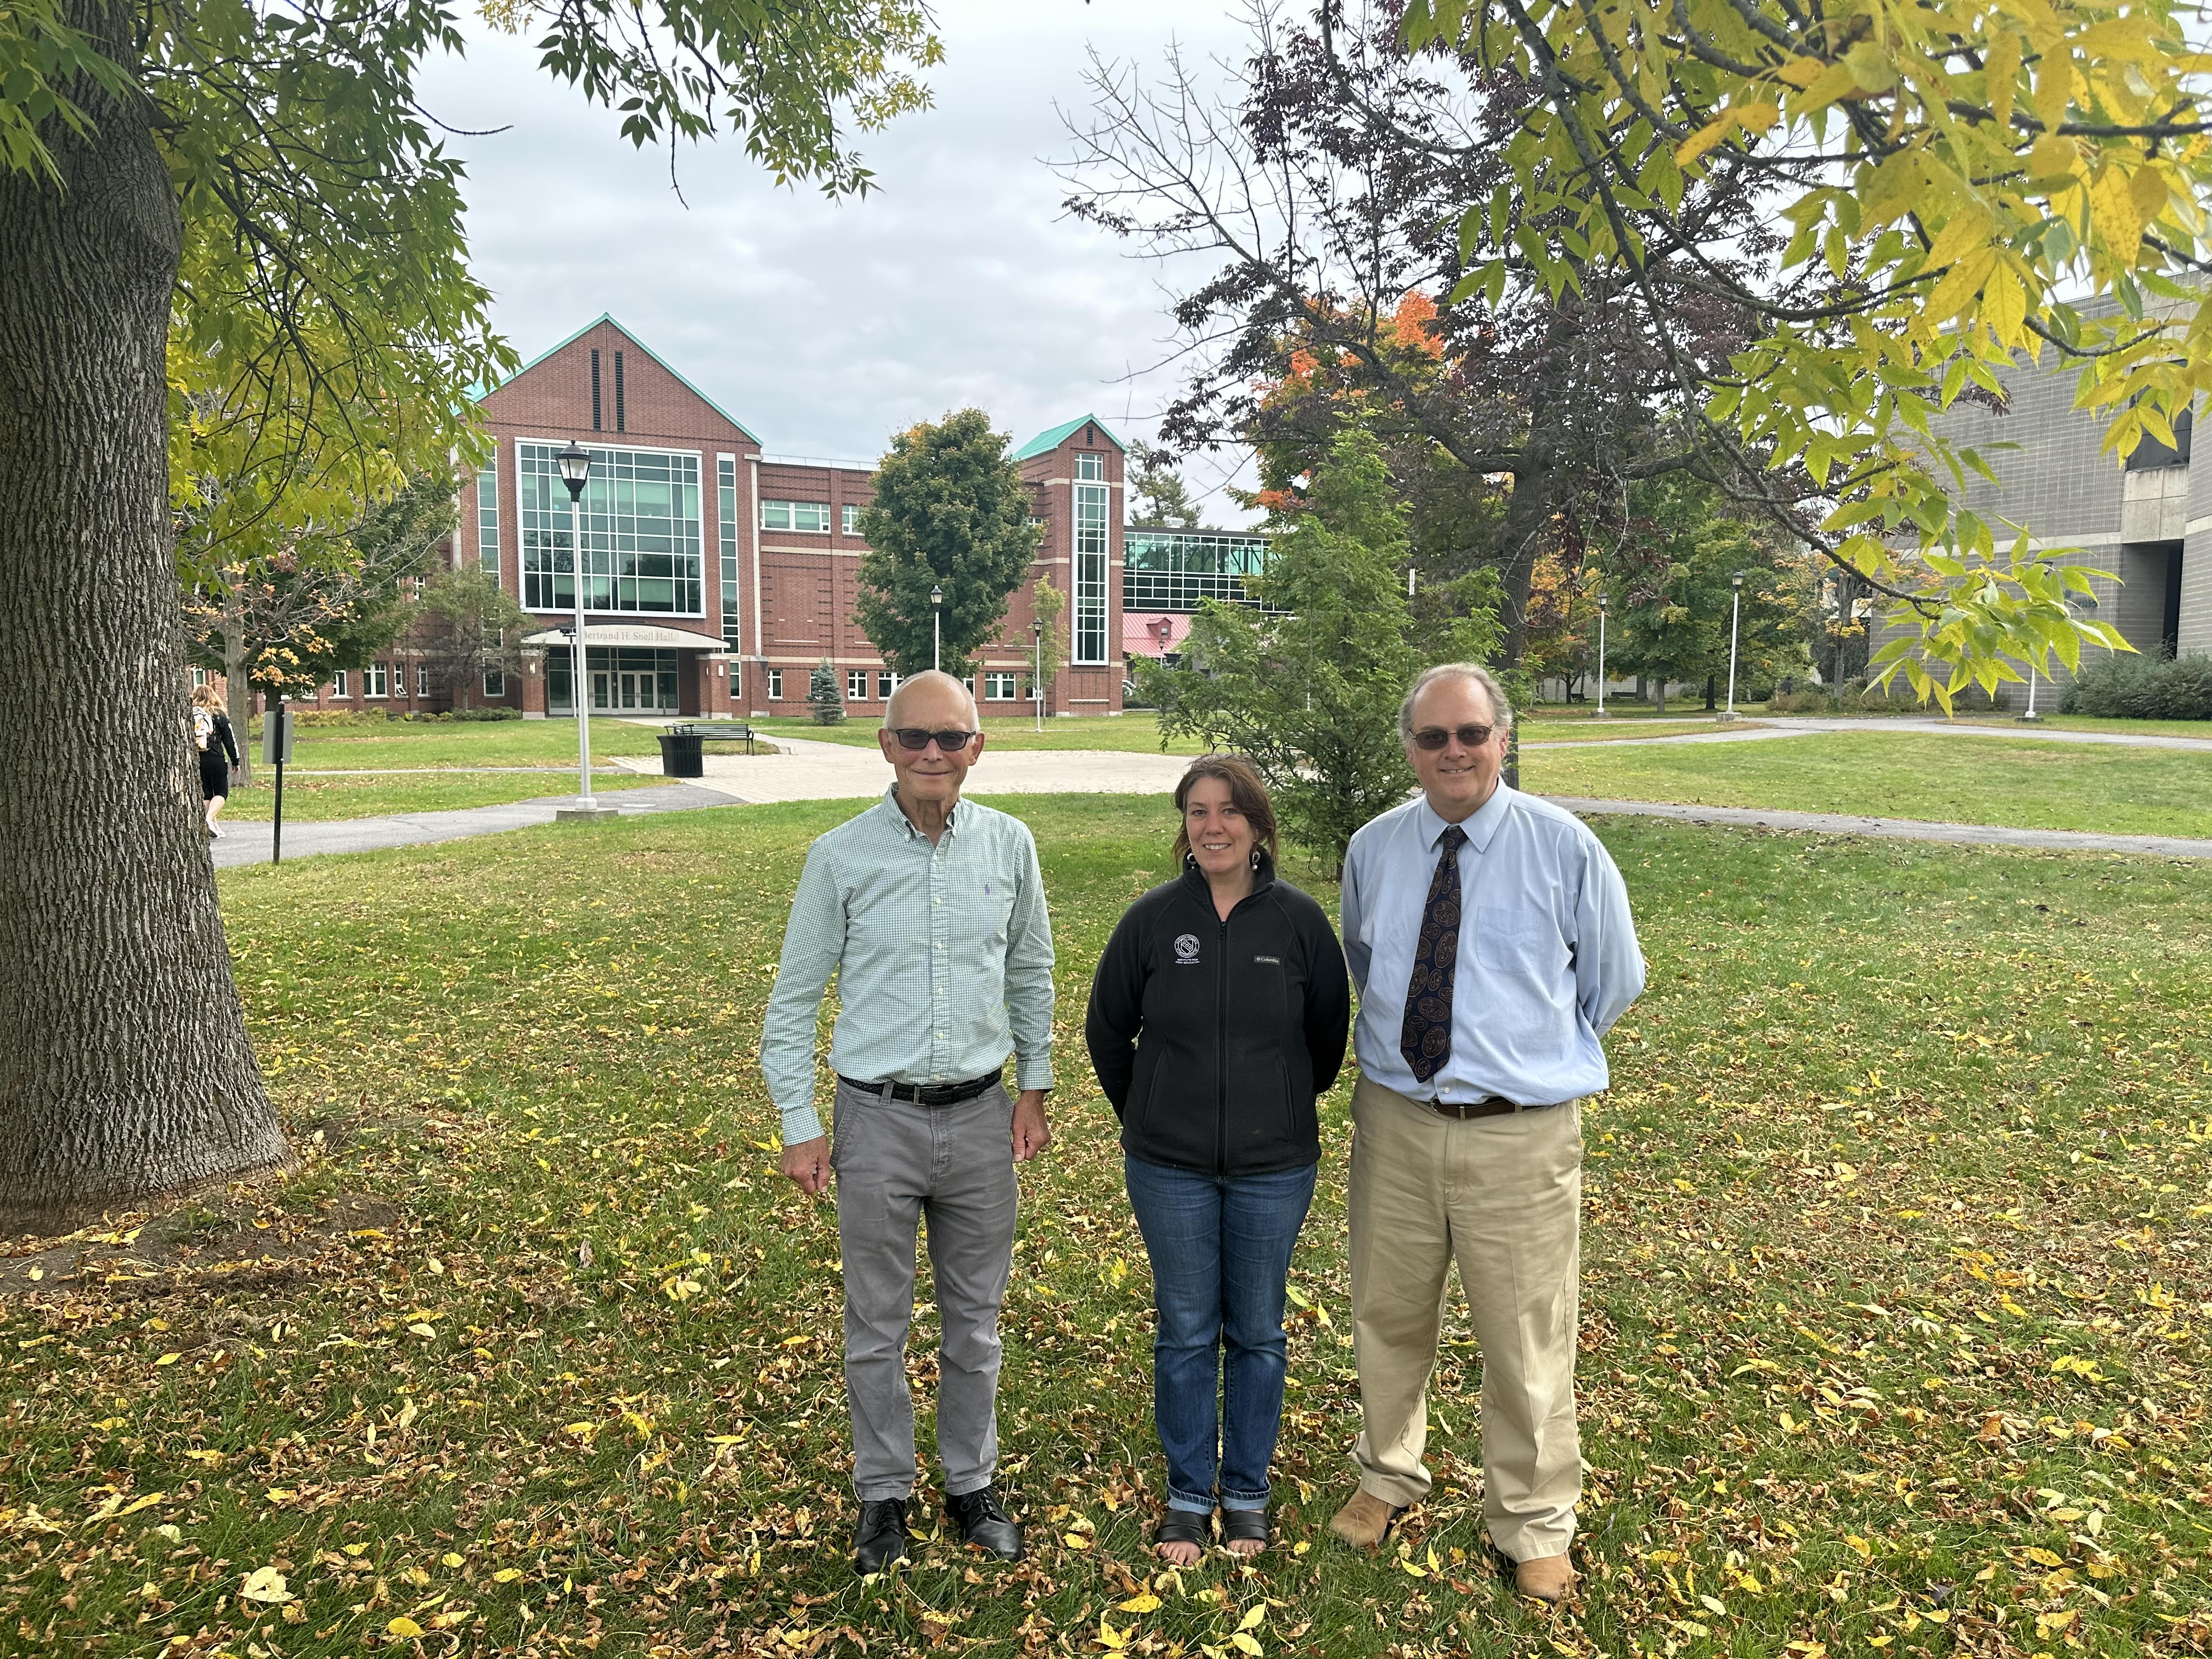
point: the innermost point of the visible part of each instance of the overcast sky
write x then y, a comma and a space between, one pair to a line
826, 326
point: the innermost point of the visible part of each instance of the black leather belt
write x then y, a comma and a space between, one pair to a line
1494, 1106
927, 1094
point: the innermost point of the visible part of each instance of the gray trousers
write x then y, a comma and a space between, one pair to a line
896, 1163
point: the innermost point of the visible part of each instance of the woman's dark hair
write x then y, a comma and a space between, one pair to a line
1244, 789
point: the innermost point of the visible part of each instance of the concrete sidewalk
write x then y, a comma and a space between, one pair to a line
811, 770
1838, 824
1758, 726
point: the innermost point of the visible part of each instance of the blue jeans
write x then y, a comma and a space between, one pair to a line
1221, 1260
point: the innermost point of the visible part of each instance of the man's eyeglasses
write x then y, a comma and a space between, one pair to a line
1433, 738
915, 739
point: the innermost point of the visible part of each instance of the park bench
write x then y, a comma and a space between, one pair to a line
716, 732
680, 745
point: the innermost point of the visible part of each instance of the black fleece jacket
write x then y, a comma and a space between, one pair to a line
1213, 1038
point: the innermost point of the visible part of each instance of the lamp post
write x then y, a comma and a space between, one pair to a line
1601, 714
1036, 673
1736, 612
937, 628
575, 465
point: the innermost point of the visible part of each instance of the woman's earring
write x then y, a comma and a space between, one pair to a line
1255, 857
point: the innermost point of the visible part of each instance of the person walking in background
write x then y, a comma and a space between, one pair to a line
930, 911
1490, 936
217, 750
1217, 1016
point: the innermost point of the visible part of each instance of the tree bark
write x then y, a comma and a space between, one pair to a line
125, 1071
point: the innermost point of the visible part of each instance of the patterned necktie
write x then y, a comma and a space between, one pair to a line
1425, 1037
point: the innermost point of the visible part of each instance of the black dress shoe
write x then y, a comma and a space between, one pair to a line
881, 1537
984, 1522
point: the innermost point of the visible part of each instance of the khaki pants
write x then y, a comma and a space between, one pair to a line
1501, 1196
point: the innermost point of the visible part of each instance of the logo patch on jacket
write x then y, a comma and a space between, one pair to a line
1273, 962
1185, 949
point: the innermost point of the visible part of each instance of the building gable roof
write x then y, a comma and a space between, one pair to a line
1045, 442
479, 394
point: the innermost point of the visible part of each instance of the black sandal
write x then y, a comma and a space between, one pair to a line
1237, 1525
1182, 1527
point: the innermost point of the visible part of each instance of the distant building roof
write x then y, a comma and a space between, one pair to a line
1045, 442
480, 392
1142, 632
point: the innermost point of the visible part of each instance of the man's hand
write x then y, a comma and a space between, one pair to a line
808, 1162
1032, 1134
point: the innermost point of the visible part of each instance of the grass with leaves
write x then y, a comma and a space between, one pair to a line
1902, 775
1896, 1292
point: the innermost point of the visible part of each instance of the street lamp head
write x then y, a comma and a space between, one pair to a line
1736, 581
1036, 629
937, 596
1601, 602
575, 462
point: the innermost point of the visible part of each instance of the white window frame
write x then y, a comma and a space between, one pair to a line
886, 682
338, 683
775, 685
790, 511
848, 519
856, 686
707, 565
421, 679
999, 686
495, 683
1088, 600
376, 682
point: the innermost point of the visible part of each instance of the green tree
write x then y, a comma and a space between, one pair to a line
950, 512
466, 627
1309, 689
231, 246
1158, 497
280, 623
1047, 648
824, 695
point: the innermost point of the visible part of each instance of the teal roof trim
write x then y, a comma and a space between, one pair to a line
1045, 442
479, 394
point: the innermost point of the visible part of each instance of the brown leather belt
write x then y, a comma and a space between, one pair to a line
1494, 1106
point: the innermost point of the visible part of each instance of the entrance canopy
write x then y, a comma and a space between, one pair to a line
646, 636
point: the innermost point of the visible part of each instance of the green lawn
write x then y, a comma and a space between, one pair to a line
1135, 732
397, 745
2037, 786
314, 798
1608, 731
1896, 1265
2201, 729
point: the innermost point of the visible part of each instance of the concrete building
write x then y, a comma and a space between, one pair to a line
2147, 521
717, 576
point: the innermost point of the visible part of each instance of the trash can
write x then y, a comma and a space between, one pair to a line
682, 756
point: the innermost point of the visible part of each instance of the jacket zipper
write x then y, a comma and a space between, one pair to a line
1221, 1052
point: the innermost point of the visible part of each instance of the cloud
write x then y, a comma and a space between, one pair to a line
824, 326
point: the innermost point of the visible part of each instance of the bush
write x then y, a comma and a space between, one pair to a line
2143, 688
467, 715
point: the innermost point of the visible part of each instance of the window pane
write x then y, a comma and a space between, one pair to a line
1091, 560
640, 518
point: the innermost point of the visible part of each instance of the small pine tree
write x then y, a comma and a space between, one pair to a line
825, 696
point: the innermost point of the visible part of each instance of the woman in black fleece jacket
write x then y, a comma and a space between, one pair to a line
1217, 1016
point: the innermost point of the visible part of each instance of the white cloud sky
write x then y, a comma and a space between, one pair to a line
826, 326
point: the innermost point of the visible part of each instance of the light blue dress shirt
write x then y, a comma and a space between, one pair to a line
943, 956
1547, 953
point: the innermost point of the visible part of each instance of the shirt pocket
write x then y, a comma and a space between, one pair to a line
988, 914
1512, 936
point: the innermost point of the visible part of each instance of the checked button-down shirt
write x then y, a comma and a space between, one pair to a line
943, 956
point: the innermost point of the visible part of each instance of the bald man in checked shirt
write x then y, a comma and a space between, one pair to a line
930, 910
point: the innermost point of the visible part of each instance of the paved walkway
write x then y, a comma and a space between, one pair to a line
1838, 823
812, 770
1795, 725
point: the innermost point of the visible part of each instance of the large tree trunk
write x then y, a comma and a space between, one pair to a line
125, 1068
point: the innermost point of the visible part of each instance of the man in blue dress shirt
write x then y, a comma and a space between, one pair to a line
930, 910
1488, 934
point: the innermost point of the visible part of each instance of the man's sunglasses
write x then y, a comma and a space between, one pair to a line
1433, 738
915, 739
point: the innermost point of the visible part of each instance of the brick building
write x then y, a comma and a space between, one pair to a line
718, 576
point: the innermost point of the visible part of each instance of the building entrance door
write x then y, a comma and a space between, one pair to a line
603, 695
637, 690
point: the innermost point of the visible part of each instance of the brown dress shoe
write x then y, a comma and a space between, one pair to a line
1362, 1523
1546, 1578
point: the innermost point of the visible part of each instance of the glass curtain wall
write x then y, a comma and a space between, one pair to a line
640, 515
488, 516
1174, 569
725, 487
623, 680
1091, 558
